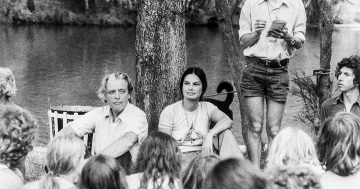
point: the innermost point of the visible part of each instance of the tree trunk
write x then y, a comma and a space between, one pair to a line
326, 25
160, 56
232, 56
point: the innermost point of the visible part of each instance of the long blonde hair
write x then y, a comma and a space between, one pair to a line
292, 146
64, 155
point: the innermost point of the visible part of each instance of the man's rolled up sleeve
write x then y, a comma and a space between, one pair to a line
300, 23
140, 127
245, 20
85, 124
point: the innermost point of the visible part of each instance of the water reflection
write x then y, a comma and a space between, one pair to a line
64, 65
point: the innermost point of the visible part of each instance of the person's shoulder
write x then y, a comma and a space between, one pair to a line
207, 105
135, 110
9, 178
330, 180
296, 3
133, 180
99, 110
32, 185
173, 106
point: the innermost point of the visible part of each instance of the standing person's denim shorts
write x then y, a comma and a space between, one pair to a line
261, 79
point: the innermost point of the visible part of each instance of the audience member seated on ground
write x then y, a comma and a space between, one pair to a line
348, 75
157, 164
194, 175
188, 120
119, 126
7, 87
102, 172
293, 147
16, 134
293, 177
339, 150
235, 173
64, 161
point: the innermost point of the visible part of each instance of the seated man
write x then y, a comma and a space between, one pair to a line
119, 126
348, 75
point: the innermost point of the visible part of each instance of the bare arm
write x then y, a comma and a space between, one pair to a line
250, 39
223, 122
121, 145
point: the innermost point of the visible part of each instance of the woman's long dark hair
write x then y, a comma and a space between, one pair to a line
158, 158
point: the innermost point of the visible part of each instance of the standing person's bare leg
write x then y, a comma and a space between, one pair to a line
255, 113
274, 115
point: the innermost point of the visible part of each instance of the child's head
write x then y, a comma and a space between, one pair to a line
158, 157
235, 174
103, 172
339, 144
292, 146
197, 170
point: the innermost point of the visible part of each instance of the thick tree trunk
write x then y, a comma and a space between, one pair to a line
232, 56
160, 55
326, 25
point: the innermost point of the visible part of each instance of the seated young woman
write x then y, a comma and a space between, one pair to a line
339, 150
188, 120
157, 165
64, 161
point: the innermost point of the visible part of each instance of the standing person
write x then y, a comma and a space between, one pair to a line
347, 73
188, 120
339, 150
16, 135
64, 161
157, 165
119, 126
268, 48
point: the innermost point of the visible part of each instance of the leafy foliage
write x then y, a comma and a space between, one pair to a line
308, 91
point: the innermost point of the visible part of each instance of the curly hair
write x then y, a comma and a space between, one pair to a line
235, 173
293, 177
102, 90
158, 158
7, 82
64, 155
196, 171
103, 172
339, 144
292, 146
16, 134
352, 62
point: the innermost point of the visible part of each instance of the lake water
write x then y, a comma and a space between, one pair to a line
64, 65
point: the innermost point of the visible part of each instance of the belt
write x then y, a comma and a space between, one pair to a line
271, 63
